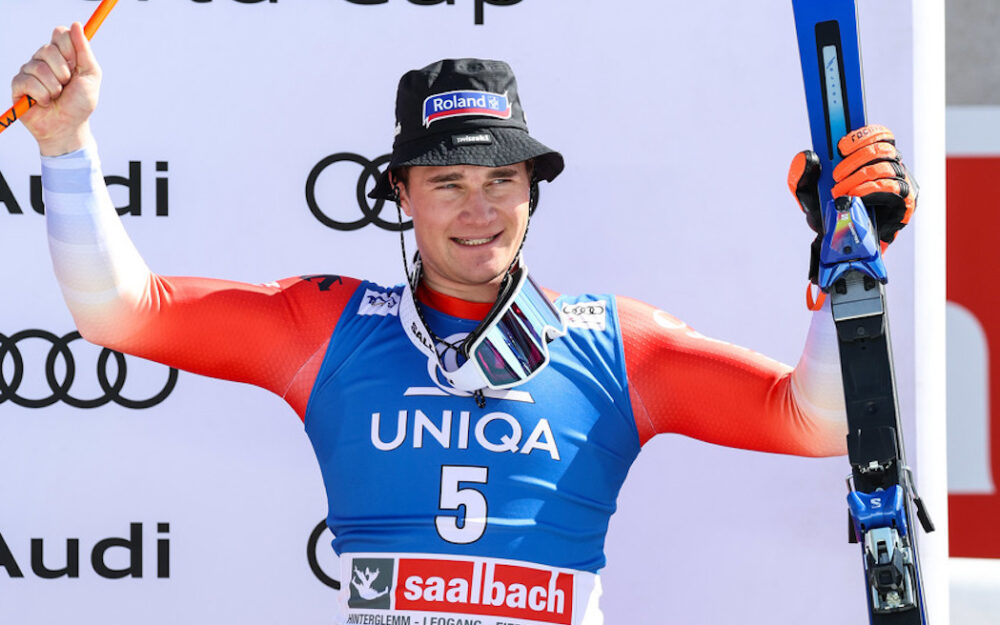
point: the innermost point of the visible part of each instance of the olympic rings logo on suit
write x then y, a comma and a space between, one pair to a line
61, 389
584, 309
370, 212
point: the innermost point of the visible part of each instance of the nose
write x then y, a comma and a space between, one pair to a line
478, 208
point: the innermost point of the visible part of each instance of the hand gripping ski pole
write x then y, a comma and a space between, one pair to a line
25, 103
881, 490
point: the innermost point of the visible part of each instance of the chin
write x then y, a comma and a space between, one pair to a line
488, 270
486, 277
483, 274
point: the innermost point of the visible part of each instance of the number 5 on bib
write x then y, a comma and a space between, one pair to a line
470, 523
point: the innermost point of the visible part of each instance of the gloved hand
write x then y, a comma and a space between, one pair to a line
872, 170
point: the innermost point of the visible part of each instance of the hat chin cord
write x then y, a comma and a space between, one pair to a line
413, 276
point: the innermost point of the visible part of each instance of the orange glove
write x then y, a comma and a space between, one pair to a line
872, 170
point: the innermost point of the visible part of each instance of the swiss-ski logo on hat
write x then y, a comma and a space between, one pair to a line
457, 103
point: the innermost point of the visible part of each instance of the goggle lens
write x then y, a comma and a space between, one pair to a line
509, 347
516, 346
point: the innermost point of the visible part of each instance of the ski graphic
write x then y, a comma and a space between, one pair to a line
851, 272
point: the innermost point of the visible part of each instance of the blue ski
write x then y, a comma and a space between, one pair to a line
851, 271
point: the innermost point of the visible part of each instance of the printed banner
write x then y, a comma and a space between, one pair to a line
239, 139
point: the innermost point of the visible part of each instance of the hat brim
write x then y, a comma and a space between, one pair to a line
509, 146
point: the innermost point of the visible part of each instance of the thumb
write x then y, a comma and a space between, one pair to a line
86, 62
802, 177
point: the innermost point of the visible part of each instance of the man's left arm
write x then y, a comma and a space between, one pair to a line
683, 382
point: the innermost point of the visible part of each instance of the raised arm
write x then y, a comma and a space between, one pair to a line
273, 336
689, 384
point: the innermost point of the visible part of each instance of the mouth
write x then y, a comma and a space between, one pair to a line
475, 242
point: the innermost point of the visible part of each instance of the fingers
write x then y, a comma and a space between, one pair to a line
874, 173
895, 199
37, 80
873, 170
890, 186
883, 180
50, 69
802, 176
803, 172
61, 39
52, 58
866, 155
86, 62
866, 135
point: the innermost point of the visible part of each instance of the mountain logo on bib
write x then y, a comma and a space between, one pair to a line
371, 580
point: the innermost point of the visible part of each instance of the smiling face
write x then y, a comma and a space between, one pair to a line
469, 222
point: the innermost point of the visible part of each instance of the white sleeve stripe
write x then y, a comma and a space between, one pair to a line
72, 230
76, 180
90, 299
74, 267
99, 271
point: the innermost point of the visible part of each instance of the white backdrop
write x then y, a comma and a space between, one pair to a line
677, 121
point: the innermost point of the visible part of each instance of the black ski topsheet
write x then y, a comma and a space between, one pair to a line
830, 54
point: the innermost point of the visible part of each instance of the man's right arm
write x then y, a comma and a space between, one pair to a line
270, 335
273, 336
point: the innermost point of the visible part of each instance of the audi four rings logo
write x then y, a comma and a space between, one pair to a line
371, 210
60, 373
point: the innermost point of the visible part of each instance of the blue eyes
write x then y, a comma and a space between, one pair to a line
499, 181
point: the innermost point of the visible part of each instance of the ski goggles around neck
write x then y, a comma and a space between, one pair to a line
508, 348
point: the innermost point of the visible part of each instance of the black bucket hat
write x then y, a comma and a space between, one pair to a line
463, 112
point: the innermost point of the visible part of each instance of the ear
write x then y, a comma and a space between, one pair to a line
401, 191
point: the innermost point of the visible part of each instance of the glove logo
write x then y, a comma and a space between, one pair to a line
61, 388
371, 210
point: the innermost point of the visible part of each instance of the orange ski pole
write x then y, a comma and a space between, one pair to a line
95, 21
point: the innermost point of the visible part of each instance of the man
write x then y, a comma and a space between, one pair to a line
472, 438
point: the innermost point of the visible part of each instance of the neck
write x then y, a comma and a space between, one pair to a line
452, 305
483, 293
479, 293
